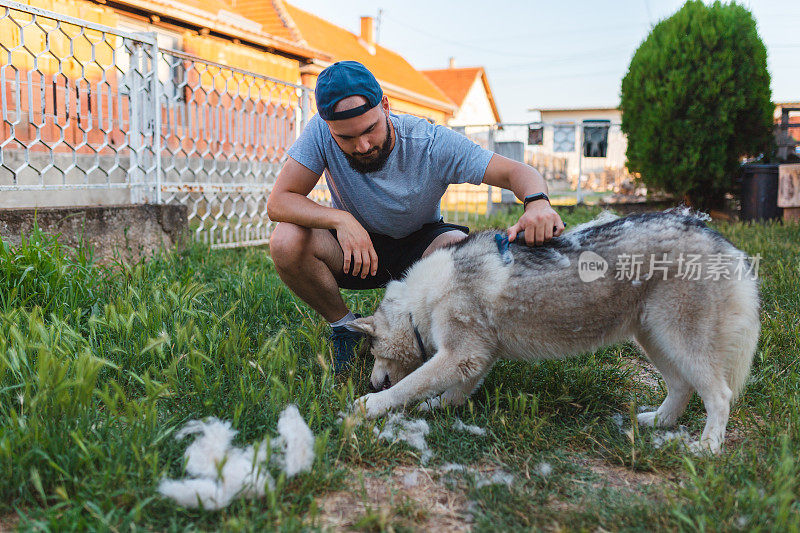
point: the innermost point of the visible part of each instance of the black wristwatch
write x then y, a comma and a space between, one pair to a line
533, 197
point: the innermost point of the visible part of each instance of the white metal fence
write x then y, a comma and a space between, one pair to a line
88, 107
72, 94
224, 136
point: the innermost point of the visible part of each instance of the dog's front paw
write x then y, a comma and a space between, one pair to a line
371, 405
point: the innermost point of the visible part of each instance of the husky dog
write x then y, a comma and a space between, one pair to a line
686, 295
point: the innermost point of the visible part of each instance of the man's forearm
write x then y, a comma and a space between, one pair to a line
527, 182
302, 211
519, 178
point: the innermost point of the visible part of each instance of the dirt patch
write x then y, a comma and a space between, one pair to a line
740, 430
643, 372
613, 477
8, 522
734, 437
622, 478
411, 496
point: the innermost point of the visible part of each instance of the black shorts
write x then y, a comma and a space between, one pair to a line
396, 255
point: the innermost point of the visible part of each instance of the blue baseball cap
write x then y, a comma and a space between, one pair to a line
343, 79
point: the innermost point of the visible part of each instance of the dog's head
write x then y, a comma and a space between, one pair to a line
393, 343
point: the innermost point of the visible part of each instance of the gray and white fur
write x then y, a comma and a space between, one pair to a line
471, 310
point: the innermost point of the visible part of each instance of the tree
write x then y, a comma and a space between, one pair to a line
696, 99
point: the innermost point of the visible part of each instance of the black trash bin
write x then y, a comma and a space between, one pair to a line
760, 192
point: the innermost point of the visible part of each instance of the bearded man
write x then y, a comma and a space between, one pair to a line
386, 174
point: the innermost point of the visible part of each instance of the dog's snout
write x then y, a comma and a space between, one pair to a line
383, 386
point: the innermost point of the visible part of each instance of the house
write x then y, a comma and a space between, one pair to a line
561, 137
793, 116
211, 29
259, 35
83, 112
468, 88
268, 37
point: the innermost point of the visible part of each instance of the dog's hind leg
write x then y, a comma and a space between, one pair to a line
735, 337
710, 385
687, 364
695, 348
717, 398
697, 373
679, 391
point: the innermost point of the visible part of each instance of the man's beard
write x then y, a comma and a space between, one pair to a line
373, 165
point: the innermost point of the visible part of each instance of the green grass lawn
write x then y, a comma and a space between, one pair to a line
99, 367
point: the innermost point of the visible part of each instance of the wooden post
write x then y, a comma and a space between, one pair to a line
789, 191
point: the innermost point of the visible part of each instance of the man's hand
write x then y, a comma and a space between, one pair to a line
539, 222
356, 246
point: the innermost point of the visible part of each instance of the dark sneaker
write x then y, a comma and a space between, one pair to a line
345, 343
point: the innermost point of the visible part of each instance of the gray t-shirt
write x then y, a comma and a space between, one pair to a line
405, 194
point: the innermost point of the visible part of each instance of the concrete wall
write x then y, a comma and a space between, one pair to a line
65, 170
125, 232
62, 198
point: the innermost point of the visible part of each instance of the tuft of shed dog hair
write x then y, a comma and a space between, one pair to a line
297, 441
222, 472
206, 452
459, 425
411, 431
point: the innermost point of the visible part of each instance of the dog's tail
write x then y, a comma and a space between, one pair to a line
742, 325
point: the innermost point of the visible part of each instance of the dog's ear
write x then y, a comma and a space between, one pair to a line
364, 325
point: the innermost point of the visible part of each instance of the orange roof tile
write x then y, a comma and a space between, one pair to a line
211, 6
456, 83
387, 66
228, 17
271, 15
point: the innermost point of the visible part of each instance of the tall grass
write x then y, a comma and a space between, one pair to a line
99, 367
40, 272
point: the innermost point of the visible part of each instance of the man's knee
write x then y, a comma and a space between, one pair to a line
288, 244
447, 238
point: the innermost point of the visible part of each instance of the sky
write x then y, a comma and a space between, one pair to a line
549, 54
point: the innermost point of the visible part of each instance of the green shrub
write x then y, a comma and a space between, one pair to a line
696, 99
